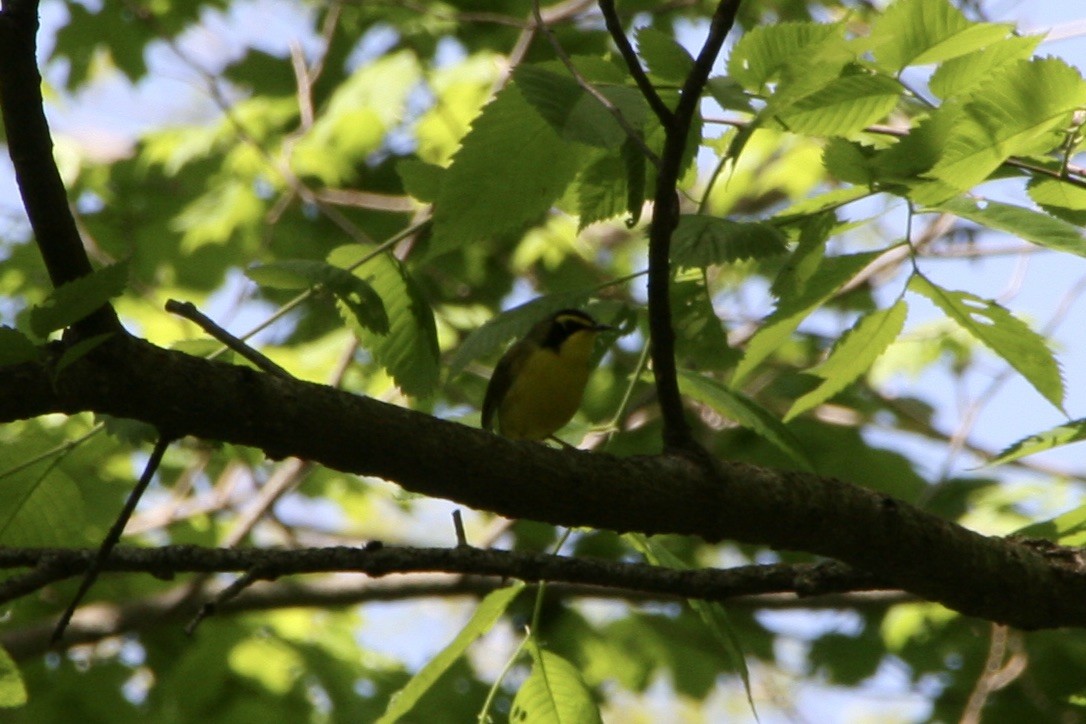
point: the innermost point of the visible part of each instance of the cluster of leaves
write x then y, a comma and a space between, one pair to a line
537, 190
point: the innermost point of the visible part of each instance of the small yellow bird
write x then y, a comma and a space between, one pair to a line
538, 384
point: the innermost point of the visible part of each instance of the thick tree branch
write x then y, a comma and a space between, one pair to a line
31, 149
991, 578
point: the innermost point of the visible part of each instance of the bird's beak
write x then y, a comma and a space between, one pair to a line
606, 328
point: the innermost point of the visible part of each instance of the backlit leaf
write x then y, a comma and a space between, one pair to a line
852, 355
73, 301
554, 693
1003, 333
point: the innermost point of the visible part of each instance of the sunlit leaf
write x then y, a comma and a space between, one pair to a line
843, 106
409, 349
746, 412
803, 297
510, 168
1024, 223
352, 290
852, 355
1058, 436
1068, 529
1003, 333
918, 32
12, 689
554, 693
486, 614
965, 73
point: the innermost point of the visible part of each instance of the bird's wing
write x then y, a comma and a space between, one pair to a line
500, 381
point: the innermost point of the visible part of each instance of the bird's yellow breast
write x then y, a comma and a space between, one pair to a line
547, 390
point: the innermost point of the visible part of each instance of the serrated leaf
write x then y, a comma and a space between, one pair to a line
852, 355
712, 614
919, 32
601, 190
510, 324
73, 301
701, 240
823, 202
843, 106
1021, 110
1025, 223
729, 94
1059, 198
486, 614
1068, 529
961, 75
763, 52
15, 347
409, 350
746, 412
574, 113
662, 53
12, 688
1058, 436
798, 301
510, 168
1003, 333
554, 693
353, 291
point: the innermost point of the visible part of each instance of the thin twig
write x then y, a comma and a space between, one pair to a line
189, 311
113, 535
632, 133
458, 525
239, 584
614, 27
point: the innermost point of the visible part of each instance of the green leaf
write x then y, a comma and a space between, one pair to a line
699, 335
510, 168
554, 693
573, 112
1068, 529
1059, 198
1021, 110
919, 32
843, 106
766, 50
15, 347
488, 612
746, 412
409, 350
601, 190
799, 298
77, 351
849, 161
353, 291
961, 75
1058, 436
701, 240
729, 94
665, 57
357, 118
511, 324
73, 301
852, 355
712, 614
12, 688
1003, 333
420, 179
1025, 223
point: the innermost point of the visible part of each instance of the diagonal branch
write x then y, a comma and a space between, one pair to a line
31, 149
